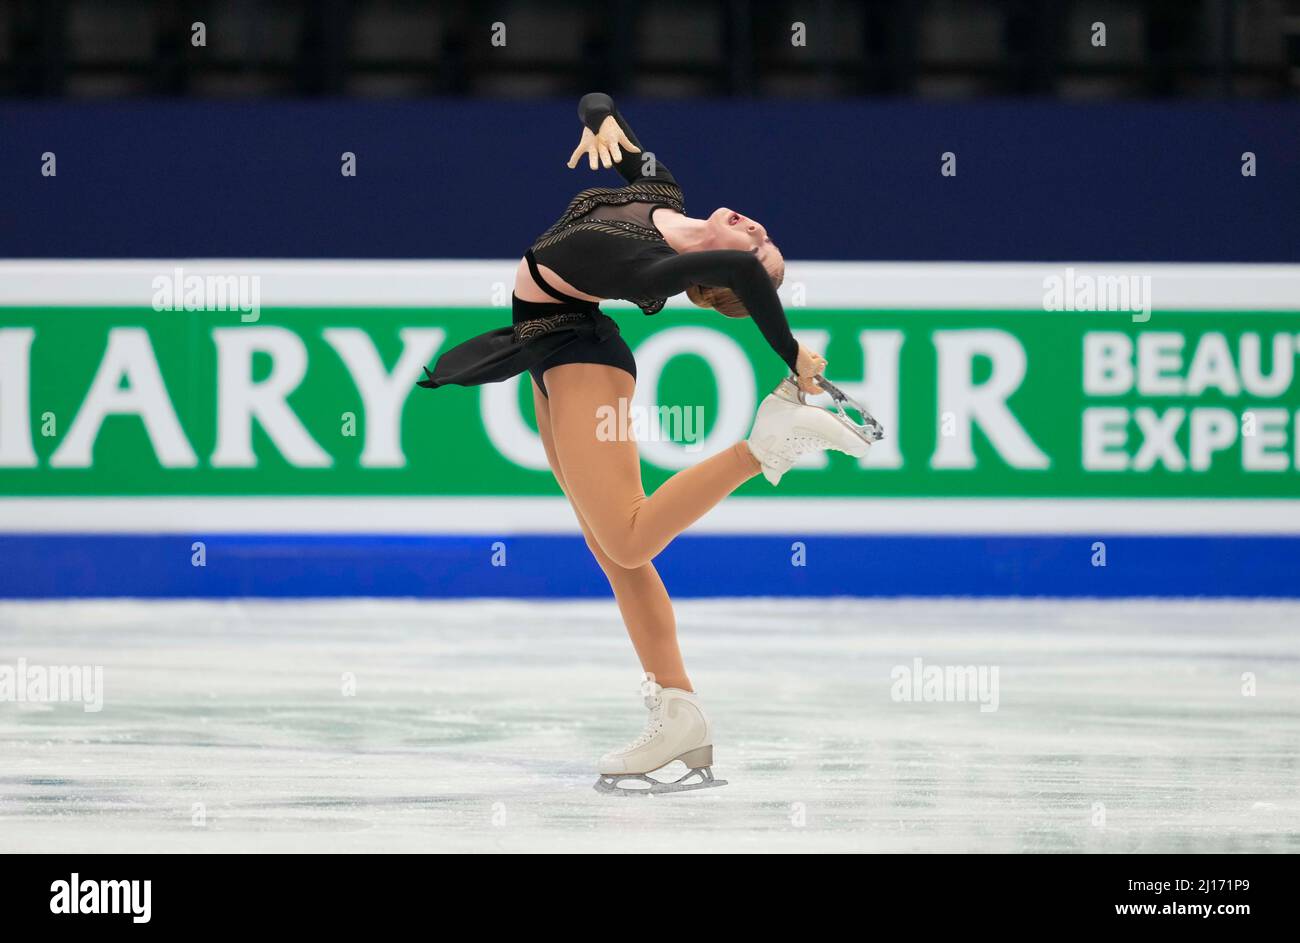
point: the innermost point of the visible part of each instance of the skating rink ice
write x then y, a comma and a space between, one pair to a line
1120, 727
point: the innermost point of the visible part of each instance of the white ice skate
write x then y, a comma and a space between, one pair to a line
787, 426
678, 730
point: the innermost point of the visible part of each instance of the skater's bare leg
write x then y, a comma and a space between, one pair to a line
602, 473
642, 599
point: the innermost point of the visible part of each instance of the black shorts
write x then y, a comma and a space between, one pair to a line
612, 352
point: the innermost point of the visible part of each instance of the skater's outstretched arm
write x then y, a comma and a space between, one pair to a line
609, 141
744, 274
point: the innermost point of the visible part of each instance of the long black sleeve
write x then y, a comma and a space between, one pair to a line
593, 109
727, 268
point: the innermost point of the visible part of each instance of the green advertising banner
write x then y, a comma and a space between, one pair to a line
133, 401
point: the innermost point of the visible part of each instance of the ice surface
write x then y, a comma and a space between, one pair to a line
1121, 726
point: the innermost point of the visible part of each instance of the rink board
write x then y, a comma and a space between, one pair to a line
1152, 451
561, 566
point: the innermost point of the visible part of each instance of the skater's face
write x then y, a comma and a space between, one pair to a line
727, 229
730, 230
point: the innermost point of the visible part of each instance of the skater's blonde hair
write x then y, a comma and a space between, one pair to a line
727, 302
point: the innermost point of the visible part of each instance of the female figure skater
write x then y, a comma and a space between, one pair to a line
636, 242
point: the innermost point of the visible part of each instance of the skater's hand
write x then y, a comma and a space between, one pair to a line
808, 365
606, 147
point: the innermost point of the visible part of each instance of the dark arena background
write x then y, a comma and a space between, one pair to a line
258, 593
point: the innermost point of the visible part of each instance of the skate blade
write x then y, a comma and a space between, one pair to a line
868, 430
611, 784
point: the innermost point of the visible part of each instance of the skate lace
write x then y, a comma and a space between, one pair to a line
797, 445
652, 727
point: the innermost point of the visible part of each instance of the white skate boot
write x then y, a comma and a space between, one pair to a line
678, 730
788, 426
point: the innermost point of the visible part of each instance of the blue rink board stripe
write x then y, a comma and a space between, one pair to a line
42, 566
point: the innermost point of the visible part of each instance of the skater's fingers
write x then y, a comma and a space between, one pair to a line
577, 153
604, 157
592, 159
626, 144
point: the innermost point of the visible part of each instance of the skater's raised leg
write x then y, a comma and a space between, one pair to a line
602, 472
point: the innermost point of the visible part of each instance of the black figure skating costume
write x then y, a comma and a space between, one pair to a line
606, 245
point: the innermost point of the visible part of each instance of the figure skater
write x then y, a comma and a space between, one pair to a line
636, 242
